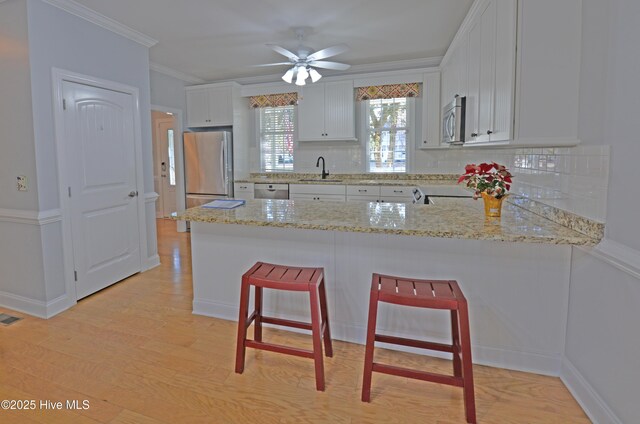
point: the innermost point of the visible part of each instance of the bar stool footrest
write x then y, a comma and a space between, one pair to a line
418, 375
415, 343
286, 323
271, 347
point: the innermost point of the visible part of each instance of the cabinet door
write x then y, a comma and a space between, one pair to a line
198, 108
243, 191
487, 72
505, 70
473, 95
431, 110
220, 106
311, 113
339, 111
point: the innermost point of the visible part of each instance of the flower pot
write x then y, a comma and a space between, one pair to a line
492, 206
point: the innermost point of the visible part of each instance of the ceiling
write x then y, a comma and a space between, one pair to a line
225, 39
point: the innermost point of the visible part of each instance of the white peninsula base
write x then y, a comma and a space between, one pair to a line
517, 292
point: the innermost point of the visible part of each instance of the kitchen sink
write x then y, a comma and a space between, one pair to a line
318, 180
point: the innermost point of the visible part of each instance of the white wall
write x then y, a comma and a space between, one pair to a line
34, 38
169, 92
16, 119
603, 342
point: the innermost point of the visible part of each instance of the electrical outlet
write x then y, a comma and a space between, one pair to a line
22, 183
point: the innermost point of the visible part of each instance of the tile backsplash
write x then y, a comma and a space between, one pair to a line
572, 179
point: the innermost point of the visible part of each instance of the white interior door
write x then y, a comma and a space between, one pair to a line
100, 153
166, 134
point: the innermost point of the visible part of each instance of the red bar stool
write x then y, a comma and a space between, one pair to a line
280, 277
432, 294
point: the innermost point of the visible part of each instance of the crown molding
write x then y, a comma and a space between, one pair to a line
175, 74
96, 18
398, 65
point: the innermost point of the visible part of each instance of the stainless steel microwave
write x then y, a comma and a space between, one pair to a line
453, 119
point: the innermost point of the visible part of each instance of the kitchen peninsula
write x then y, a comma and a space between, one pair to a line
514, 270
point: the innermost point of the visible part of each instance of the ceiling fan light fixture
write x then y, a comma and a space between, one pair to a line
303, 74
315, 75
288, 76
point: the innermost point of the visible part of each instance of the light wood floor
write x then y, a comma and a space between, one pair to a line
139, 356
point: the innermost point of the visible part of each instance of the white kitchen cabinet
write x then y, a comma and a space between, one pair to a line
363, 193
319, 197
491, 72
396, 194
325, 192
326, 111
243, 191
532, 104
430, 110
210, 106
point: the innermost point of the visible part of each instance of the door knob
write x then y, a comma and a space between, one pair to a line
133, 194
474, 135
489, 132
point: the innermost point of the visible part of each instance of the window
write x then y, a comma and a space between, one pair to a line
277, 126
172, 157
386, 129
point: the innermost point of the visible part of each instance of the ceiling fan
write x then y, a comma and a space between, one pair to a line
305, 60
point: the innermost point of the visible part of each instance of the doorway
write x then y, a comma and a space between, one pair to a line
165, 134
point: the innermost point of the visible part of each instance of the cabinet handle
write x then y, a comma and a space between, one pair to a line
489, 132
362, 191
398, 191
474, 135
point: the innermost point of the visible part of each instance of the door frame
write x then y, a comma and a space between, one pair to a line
59, 76
179, 146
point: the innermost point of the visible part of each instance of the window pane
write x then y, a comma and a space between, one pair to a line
172, 158
277, 131
387, 135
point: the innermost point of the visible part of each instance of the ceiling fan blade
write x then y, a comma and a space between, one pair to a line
273, 64
328, 52
284, 52
329, 65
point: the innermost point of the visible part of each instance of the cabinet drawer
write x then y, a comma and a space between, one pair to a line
396, 191
317, 189
319, 197
248, 187
363, 190
373, 198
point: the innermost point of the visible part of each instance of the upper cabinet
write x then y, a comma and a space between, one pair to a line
210, 106
326, 111
517, 62
430, 110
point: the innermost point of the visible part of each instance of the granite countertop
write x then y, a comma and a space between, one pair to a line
354, 179
448, 218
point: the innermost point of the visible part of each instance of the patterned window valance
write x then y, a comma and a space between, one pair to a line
388, 91
273, 100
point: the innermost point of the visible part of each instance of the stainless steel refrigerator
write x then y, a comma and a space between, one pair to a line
208, 161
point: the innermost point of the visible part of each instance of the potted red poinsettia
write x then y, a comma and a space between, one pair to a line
492, 181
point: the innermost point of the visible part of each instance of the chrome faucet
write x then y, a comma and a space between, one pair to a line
324, 173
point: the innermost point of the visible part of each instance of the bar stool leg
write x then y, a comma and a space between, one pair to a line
316, 330
455, 335
242, 326
467, 366
257, 326
371, 338
328, 348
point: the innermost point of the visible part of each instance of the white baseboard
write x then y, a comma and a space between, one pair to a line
37, 308
494, 357
39, 218
151, 262
593, 405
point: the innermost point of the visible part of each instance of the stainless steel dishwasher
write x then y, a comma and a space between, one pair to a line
271, 191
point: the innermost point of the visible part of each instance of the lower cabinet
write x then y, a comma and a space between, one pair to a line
396, 194
323, 192
243, 191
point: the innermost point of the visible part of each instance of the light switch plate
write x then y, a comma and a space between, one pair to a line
22, 183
